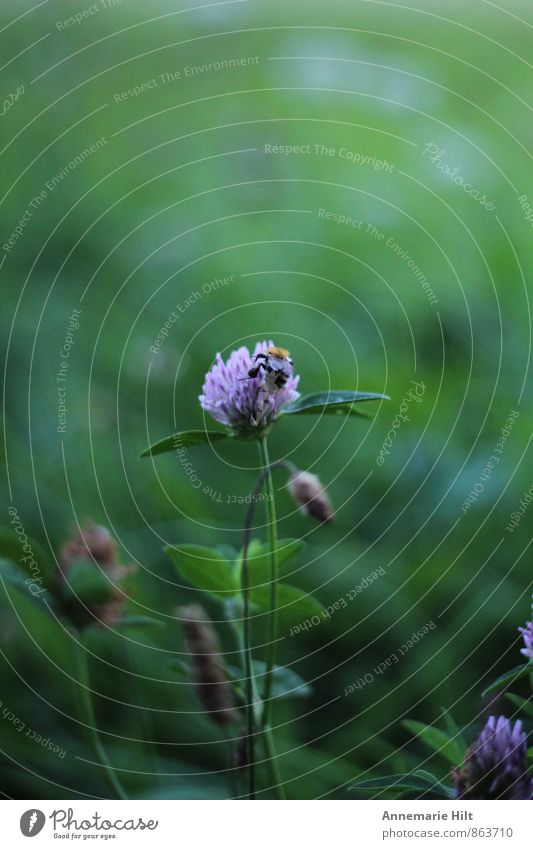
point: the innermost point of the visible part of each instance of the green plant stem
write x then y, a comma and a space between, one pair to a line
272, 621
266, 730
248, 672
275, 773
85, 690
273, 611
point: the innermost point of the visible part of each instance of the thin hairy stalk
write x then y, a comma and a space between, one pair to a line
275, 773
263, 478
85, 691
273, 601
248, 673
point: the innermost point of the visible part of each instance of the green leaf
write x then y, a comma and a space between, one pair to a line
509, 678
259, 558
180, 668
10, 574
419, 781
294, 605
139, 622
184, 439
336, 401
206, 569
524, 704
435, 783
286, 683
227, 551
87, 582
12, 549
453, 729
437, 740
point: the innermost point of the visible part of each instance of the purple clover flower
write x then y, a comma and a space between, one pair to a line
243, 403
527, 634
494, 766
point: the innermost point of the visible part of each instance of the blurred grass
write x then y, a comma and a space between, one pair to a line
186, 196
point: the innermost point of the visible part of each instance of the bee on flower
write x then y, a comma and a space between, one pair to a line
248, 391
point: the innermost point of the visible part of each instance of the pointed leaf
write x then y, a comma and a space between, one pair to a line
419, 781
437, 740
286, 683
340, 402
509, 678
435, 783
524, 704
453, 729
206, 568
259, 558
184, 439
392, 782
294, 605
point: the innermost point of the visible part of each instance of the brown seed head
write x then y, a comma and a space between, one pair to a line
211, 683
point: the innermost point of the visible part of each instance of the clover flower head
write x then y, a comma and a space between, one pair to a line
246, 404
94, 545
495, 765
527, 634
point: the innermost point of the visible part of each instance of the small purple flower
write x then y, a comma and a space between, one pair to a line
527, 634
249, 405
494, 766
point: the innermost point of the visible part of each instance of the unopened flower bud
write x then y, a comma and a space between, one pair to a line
310, 495
211, 683
93, 542
103, 601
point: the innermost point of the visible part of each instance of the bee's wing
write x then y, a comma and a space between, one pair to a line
281, 365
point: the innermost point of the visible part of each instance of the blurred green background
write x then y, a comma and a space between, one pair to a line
180, 191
